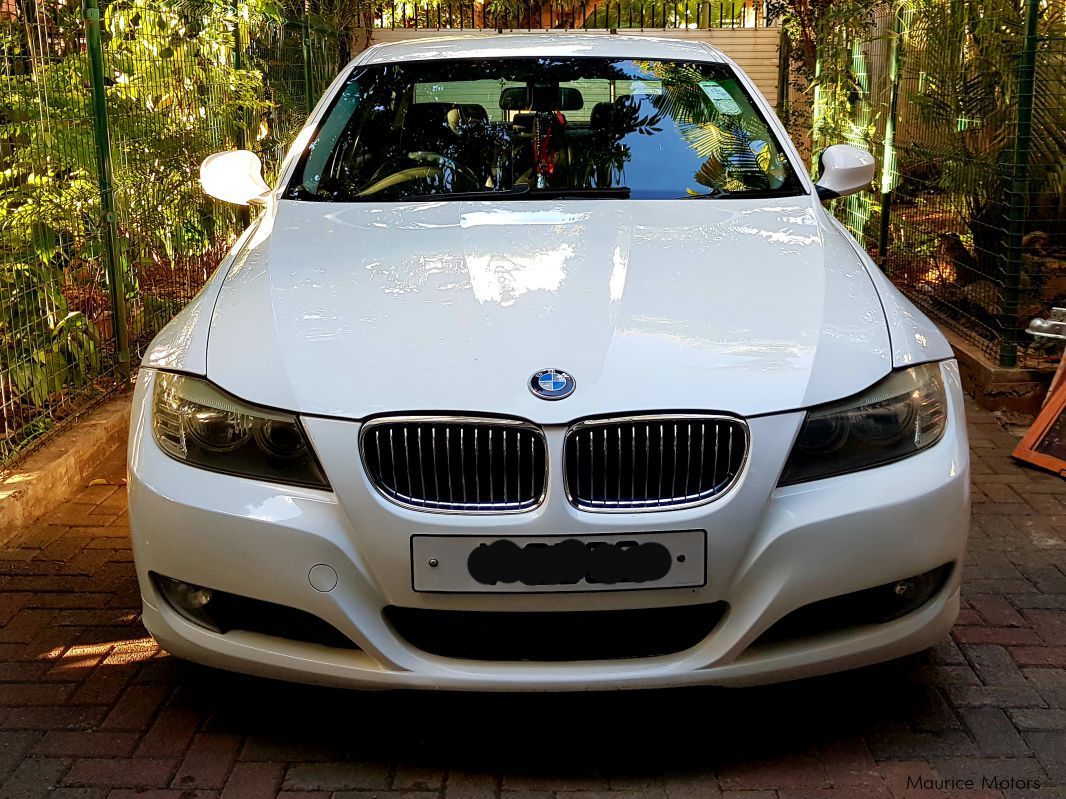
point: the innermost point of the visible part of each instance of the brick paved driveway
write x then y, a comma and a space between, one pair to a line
89, 707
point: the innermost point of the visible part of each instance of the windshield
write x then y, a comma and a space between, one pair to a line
558, 127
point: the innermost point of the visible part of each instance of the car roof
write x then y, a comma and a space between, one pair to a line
481, 46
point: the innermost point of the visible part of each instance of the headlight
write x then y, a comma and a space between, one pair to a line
197, 424
903, 414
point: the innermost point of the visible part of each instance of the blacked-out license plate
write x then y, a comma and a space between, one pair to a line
626, 561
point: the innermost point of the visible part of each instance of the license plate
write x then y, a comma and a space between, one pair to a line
560, 563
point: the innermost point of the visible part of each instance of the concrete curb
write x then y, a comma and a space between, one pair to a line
61, 467
995, 387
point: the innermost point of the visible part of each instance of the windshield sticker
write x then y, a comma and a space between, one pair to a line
722, 99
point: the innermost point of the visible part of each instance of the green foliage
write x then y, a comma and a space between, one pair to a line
177, 90
44, 347
965, 57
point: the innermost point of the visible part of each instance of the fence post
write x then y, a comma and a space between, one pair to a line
1019, 191
112, 260
784, 75
816, 108
244, 213
888, 154
305, 31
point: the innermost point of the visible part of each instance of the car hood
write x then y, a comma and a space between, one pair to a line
741, 306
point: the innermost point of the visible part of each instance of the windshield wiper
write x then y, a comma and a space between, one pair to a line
521, 193
719, 194
614, 193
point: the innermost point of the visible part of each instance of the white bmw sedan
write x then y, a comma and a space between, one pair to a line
544, 368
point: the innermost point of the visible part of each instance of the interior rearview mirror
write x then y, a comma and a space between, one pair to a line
541, 98
235, 176
843, 170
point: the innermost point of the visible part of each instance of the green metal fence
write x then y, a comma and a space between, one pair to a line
105, 115
509, 15
107, 108
964, 106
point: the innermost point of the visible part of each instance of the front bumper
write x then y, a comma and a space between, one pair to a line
770, 551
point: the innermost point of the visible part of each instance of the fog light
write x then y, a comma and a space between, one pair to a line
914, 592
223, 612
904, 588
877, 605
192, 597
189, 600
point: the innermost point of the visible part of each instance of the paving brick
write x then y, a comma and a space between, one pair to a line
927, 710
137, 707
79, 792
141, 772
1044, 575
64, 717
90, 704
253, 779
1004, 636
1039, 656
968, 617
692, 786
103, 687
170, 733
461, 784
87, 744
208, 762
292, 749
26, 625
994, 732
1050, 625
23, 671
552, 781
914, 745
64, 548
1050, 683
163, 793
1050, 750
77, 662
1036, 718
31, 694
408, 776
11, 604
969, 696
1041, 601
335, 776
93, 495
997, 611
74, 517
35, 777
791, 771
14, 746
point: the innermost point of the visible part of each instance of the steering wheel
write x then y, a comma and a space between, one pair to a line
434, 165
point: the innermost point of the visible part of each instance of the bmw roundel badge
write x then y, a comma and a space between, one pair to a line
552, 384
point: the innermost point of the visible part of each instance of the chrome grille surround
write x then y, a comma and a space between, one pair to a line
610, 464
456, 464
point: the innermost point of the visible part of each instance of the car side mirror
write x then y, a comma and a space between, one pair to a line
843, 170
235, 176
